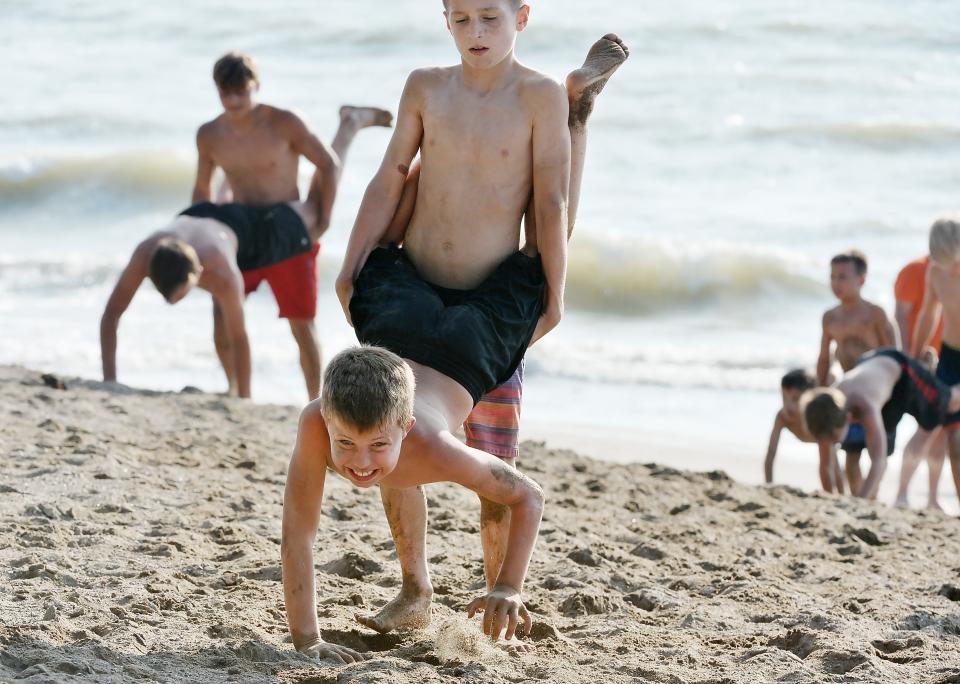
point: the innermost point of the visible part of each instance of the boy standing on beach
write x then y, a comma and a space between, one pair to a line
792, 387
855, 326
909, 290
943, 294
259, 149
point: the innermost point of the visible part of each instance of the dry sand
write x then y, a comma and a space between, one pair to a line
139, 536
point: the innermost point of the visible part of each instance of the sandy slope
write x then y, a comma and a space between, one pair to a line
139, 536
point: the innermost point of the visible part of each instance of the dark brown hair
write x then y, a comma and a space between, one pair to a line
170, 266
855, 257
235, 71
798, 379
824, 411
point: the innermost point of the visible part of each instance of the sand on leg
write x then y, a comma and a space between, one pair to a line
440, 404
406, 511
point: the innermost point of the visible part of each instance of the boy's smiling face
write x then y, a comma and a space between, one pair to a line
365, 457
485, 31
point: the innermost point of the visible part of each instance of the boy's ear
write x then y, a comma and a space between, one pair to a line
409, 426
523, 16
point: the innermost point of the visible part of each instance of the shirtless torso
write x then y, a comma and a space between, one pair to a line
476, 177
856, 329
945, 286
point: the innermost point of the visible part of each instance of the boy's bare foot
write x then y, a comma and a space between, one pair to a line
362, 117
934, 506
407, 611
901, 502
584, 84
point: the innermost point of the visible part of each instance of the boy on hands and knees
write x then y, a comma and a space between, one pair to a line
792, 387
212, 254
494, 423
942, 294
459, 302
883, 386
362, 428
259, 149
856, 326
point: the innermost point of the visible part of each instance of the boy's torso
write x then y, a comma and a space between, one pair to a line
854, 331
476, 179
947, 289
259, 161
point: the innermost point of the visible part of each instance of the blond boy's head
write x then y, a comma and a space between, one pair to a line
945, 239
825, 413
368, 388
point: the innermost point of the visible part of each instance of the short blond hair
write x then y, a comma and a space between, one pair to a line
824, 411
945, 239
368, 387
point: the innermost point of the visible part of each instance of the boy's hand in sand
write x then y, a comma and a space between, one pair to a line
501, 608
321, 650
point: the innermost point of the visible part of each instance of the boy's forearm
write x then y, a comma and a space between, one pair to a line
299, 592
823, 369
376, 211
328, 194
524, 525
553, 251
921, 333
108, 347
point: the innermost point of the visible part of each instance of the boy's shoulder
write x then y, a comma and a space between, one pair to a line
541, 88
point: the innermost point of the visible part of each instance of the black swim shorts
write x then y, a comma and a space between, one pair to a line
917, 393
948, 372
265, 235
856, 439
476, 337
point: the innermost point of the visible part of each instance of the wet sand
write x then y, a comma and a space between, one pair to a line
139, 535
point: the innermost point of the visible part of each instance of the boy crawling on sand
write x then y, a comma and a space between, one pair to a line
356, 429
883, 386
459, 301
792, 387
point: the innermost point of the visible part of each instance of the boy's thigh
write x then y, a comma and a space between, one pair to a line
294, 285
494, 424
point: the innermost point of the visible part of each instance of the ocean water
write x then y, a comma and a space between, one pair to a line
741, 146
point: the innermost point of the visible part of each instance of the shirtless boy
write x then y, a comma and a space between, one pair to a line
259, 149
909, 291
792, 387
883, 386
943, 294
856, 326
459, 302
494, 423
211, 254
